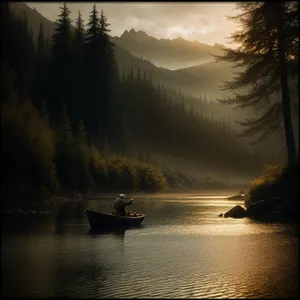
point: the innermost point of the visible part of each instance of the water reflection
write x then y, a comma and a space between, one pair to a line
182, 249
118, 232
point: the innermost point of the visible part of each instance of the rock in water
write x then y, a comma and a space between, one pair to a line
236, 212
237, 197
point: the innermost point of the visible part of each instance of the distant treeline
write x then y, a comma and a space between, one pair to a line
152, 118
68, 119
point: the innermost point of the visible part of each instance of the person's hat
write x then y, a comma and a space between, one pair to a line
122, 195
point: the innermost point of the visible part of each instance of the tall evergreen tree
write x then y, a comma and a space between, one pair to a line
93, 44
79, 30
93, 81
267, 52
61, 62
78, 75
110, 75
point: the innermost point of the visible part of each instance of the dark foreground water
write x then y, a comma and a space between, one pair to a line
182, 250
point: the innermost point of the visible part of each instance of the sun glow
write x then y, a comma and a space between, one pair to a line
176, 31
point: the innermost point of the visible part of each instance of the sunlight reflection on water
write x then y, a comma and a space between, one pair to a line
182, 250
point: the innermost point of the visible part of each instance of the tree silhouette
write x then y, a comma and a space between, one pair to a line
267, 53
61, 62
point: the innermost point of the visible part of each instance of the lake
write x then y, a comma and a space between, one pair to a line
182, 250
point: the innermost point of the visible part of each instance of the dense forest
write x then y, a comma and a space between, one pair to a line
51, 140
70, 121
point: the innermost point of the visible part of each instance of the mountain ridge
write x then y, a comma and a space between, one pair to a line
136, 33
168, 53
179, 79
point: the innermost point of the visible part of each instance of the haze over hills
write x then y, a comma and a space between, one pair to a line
179, 52
34, 18
218, 70
198, 80
171, 54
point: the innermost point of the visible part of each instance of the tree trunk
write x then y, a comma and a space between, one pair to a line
286, 101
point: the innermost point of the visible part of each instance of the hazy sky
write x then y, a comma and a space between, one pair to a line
205, 21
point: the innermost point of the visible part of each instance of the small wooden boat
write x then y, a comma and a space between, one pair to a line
104, 220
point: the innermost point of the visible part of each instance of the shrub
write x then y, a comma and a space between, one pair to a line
98, 167
116, 172
151, 178
276, 180
27, 148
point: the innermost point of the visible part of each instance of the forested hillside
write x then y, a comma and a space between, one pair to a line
126, 59
79, 125
51, 142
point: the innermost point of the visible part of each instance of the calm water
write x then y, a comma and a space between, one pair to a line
182, 250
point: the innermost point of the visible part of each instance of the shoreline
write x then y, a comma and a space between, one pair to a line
27, 206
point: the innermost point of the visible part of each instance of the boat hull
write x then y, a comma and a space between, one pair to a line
99, 220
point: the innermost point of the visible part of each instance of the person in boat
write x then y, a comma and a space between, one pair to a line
120, 205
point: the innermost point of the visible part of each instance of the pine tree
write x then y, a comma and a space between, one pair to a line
79, 29
78, 91
60, 78
79, 38
110, 75
61, 39
267, 53
93, 43
92, 110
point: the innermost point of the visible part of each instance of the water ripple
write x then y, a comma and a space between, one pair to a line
183, 250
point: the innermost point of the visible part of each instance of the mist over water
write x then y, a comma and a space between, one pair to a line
182, 250
89, 109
